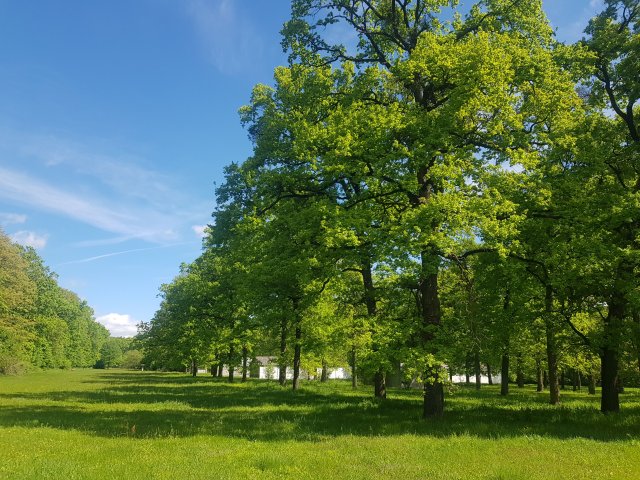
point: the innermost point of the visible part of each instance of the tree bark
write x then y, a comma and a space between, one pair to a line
592, 384
478, 372
519, 372
430, 303
194, 368
214, 369
282, 367
610, 400
539, 376
354, 368
220, 369
379, 384
245, 355
489, 374
563, 380
552, 348
325, 373
232, 352
504, 375
297, 356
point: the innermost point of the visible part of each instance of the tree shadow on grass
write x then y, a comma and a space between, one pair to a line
157, 405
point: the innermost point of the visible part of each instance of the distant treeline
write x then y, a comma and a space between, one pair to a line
42, 324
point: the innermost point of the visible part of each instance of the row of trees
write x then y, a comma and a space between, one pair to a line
449, 188
41, 324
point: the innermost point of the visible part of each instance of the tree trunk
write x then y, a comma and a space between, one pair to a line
552, 348
504, 374
245, 355
467, 378
592, 384
232, 352
325, 371
579, 380
430, 305
574, 380
354, 368
379, 384
610, 401
636, 320
194, 368
519, 372
214, 369
220, 369
489, 374
563, 380
545, 378
478, 372
282, 370
297, 349
539, 376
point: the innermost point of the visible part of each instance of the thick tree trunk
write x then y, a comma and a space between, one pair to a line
489, 376
245, 355
325, 371
610, 401
232, 352
552, 348
504, 375
430, 306
379, 385
214, 369
220, 369
539, 376
282, 370
478, 372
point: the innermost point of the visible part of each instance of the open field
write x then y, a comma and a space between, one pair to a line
118, 424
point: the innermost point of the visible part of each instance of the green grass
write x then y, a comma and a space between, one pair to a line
118, 424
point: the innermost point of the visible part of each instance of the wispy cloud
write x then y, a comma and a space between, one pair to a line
232, 43
120, 325
11, 218
29, 239
122, 252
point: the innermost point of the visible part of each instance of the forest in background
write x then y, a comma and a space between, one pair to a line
43, 325
449, 192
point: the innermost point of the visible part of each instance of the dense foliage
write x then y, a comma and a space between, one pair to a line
42, 324
450, 192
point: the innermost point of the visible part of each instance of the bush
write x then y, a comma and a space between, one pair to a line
10, 365
99, 364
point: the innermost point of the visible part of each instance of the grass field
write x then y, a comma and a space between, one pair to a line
119, 424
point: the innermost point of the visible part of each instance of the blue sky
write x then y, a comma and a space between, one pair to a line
116, 119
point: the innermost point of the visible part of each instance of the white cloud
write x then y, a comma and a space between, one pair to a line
200, 230
232, 43
29, 239
120, 325
11, 218
122, 252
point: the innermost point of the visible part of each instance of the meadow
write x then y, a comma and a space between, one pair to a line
120, 424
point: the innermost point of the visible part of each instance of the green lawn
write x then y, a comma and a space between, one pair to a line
118, 424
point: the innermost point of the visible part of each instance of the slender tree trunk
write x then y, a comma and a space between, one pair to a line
579, 380
245, 355
504, 375
610, 401
194, 368
220, 369
478, 372
232, 352
467, 378
380, 384
592, 384
297, 348
489, 374
552, 348
325, 371
519, 372
539, 376
574, 380
282, 370
354, 368
214, 369
563, 380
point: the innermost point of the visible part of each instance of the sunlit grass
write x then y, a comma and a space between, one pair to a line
117, 424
